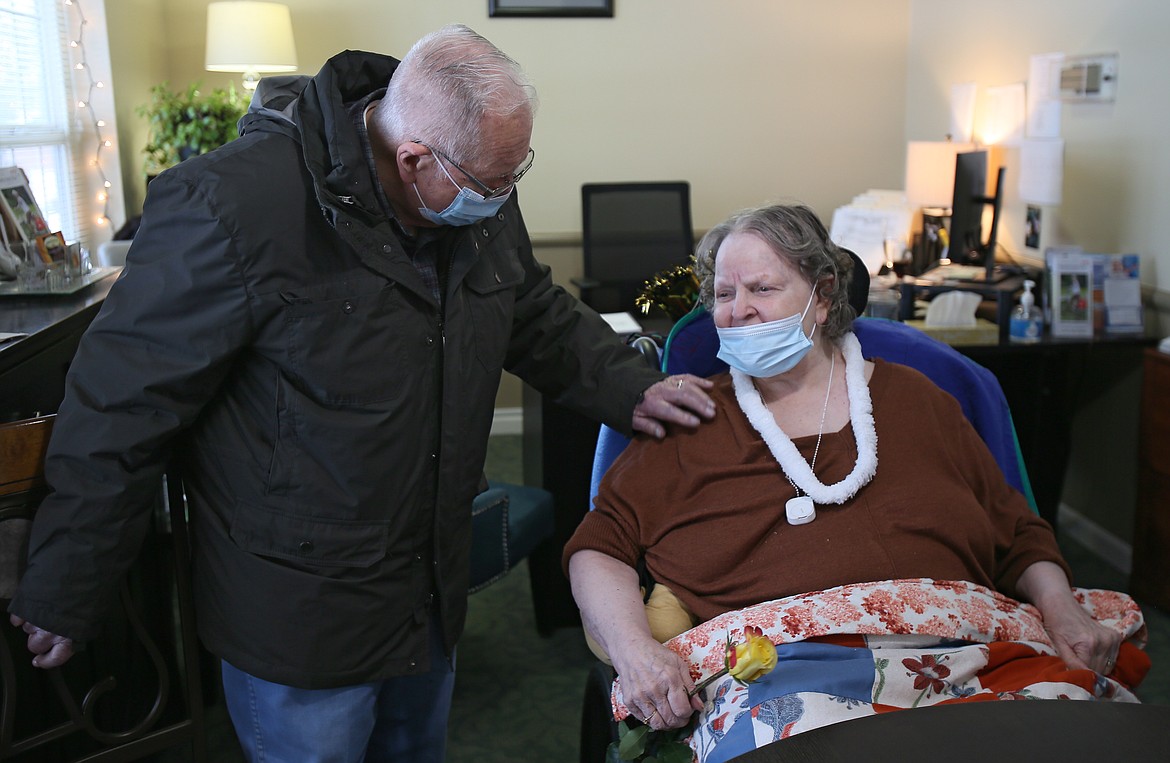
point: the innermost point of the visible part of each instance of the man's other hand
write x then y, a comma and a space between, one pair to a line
50, 649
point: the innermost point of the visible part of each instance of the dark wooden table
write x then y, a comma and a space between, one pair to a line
32, 369
1038, 730
1044, 384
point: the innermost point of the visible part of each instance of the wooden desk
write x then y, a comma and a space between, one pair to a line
32, 369
1050, 730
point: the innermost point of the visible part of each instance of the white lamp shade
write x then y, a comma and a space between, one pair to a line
249, 37
930, 172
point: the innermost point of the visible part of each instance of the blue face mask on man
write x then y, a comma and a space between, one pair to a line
766, 349
466, 208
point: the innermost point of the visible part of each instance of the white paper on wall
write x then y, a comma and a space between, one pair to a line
963, 112
1043, 100
1003, 115
1041, 171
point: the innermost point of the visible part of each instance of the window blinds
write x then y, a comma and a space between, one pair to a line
38, 128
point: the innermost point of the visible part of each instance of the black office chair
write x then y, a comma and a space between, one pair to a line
630, 232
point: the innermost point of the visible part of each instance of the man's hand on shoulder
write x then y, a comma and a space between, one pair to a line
50, 649
681, 399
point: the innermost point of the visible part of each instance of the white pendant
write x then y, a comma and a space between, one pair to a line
800, 510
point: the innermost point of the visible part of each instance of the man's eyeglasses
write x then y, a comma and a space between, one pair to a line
485, 190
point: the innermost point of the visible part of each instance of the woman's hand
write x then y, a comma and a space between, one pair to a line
656, 684
1081, 642
655, 681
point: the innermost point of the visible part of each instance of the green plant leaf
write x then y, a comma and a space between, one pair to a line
188, 122
675, 752
633, 743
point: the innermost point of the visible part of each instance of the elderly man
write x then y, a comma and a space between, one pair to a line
317, 314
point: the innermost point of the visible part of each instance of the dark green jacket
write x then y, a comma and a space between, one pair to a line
270, 327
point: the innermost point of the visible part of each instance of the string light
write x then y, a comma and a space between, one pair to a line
86, 105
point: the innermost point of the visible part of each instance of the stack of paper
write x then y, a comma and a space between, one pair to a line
868, 221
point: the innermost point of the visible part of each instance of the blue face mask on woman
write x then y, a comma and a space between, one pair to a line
766, 349
466, 208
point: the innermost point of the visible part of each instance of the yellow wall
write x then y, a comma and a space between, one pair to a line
748, 99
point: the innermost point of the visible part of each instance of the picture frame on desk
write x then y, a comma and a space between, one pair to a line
52, 248
1071, 294
19, 207
1117, 294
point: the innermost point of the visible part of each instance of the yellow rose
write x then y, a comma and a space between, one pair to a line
752, 659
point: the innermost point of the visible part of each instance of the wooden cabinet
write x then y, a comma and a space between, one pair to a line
1150, 580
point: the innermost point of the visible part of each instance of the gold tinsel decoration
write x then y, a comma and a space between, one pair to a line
673, 291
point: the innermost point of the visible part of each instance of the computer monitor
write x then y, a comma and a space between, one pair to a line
967, 246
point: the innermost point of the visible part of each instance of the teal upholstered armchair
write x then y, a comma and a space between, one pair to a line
508, 521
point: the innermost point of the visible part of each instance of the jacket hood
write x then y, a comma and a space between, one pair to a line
312, 111
273, 103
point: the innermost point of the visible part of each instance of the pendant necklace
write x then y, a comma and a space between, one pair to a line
802, 509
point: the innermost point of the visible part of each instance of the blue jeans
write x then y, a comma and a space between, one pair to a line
398, 720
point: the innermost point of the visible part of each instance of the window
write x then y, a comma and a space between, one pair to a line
44, 127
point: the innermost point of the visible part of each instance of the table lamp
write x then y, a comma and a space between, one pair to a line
249, 37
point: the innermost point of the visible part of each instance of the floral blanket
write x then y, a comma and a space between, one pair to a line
869, 648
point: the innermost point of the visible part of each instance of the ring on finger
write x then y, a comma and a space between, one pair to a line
679, 383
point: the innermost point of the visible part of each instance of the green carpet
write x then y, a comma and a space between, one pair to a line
517, 695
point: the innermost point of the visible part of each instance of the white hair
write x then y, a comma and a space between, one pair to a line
445, 86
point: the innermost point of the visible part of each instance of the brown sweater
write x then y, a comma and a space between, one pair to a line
706, 507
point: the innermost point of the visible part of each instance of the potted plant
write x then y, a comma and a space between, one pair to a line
188, 122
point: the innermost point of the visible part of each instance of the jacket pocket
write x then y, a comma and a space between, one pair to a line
491, 287
311, 543
345, 343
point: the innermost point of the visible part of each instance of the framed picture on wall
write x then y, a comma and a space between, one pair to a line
551, 8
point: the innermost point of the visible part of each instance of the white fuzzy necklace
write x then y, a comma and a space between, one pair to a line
791, 462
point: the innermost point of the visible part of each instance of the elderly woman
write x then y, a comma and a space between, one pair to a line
820, 469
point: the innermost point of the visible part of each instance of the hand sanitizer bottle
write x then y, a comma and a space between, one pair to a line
1027, 323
